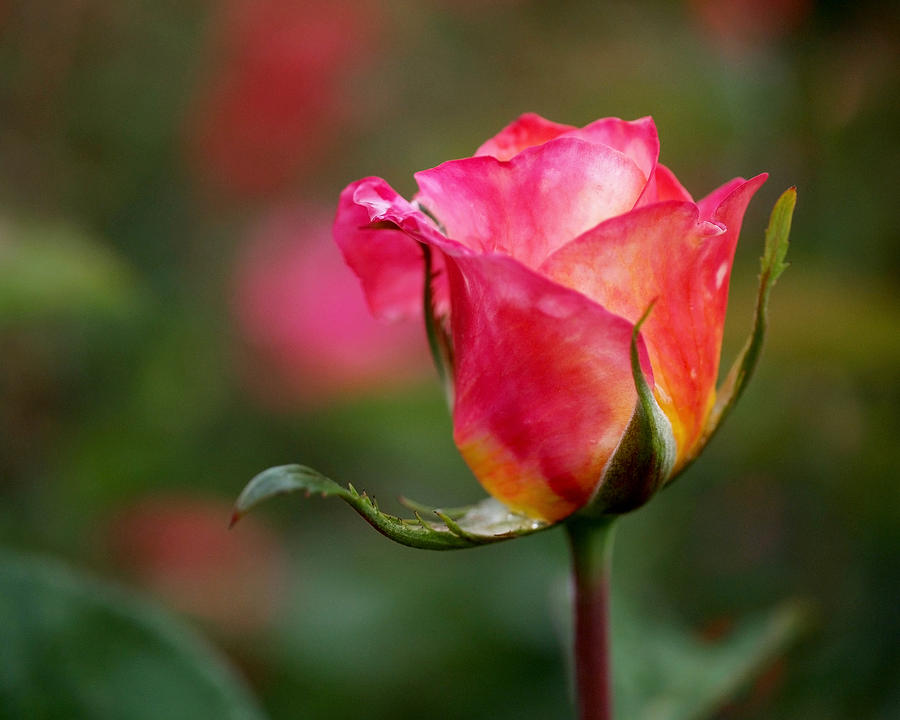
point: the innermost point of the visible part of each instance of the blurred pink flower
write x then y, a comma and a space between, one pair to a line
179, 548
278, 94
472, 6
301, 312
740, 24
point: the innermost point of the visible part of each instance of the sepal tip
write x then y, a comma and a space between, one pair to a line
645, 456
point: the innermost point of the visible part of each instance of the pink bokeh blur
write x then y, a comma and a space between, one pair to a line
740, 25
302, 316
275, 100
180, 549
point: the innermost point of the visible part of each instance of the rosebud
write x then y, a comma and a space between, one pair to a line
547, 248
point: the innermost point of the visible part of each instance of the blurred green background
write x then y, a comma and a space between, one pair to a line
167, 329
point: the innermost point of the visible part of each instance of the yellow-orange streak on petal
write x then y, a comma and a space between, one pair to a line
519, 488
686, 429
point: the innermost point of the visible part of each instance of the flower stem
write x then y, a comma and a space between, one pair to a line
591, 545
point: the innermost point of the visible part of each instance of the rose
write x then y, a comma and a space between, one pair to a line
547, 248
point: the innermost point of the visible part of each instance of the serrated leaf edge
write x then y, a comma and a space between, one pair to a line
413, 532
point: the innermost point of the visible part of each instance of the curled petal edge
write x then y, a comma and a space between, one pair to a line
439, 342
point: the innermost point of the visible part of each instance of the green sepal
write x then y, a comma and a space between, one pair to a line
772, 265
646, 454
488, 521
455, 512
438, 341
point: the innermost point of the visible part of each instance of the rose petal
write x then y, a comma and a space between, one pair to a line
526, 131
389, 262
665, 186
529, 206
543, 384
711, 202
637, 139
667, 253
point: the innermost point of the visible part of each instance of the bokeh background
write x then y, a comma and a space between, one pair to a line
174, 319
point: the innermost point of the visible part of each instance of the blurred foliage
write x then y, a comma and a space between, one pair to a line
122, 374
54, 273
75, 648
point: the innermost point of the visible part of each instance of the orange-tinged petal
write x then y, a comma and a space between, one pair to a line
667, 253
544, 389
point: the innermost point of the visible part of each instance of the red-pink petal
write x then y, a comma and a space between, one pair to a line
526, 131
667, 253
711, 202
665, 187
541, 199
389, 262
637, 139
543, 382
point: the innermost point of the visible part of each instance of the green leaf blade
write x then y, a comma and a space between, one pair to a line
282, 480
777, 237
72, 646
480, 524
666, 672
54, 271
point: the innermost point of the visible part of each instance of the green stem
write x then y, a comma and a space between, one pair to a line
591, 545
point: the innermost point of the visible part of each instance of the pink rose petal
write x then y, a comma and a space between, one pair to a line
544, 388
636, 139
526, 131
529, 206
666, 187
666, 253
388, 262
